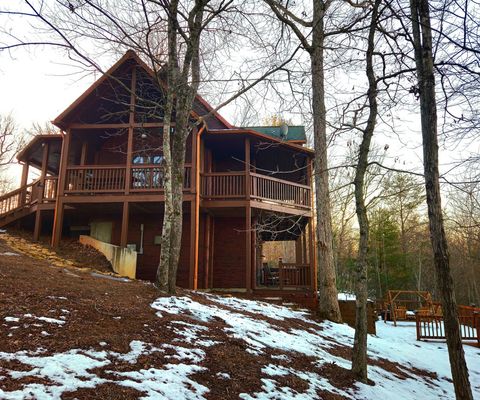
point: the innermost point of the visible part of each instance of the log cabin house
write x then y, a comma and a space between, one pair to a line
102, 177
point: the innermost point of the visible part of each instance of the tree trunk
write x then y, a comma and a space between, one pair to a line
359, 357
422, 36
179, 101
327, 286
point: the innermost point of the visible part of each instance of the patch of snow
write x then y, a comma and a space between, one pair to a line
9, 253
183, 353
282, 357
103, 344
191, 333
172, 382
258, 307
272, 389
346, 296
137, 348
51, 320
12, 319
207, 343
44, 333
71, 370
66, 372
223, 375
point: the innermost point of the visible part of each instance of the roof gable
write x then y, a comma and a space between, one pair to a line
107, 99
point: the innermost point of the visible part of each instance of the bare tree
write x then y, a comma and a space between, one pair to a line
422, 40
11, 140
359, 357
312, 35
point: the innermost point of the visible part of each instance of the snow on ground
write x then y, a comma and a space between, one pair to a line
243, 320
71, 370
396, 344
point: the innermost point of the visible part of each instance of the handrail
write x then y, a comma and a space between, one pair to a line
118, 166
293, 274
230, 173
81, 167
271, 178
19, 190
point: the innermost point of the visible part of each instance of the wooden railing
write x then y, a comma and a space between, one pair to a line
49, 192
223, 185
15, 200
29, 194
111, 178
279, 190
433, 327
231, 185
146, 178
293, 275
95, 179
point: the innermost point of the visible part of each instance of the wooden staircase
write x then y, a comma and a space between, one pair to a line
25, 200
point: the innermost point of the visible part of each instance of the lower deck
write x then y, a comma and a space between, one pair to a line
271, 253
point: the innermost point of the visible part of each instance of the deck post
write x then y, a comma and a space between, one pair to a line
46, 147
131, 124
38, 225
59, 206
206, 250
298, 250
83, 154
304, 247
24, 181
58, 222
125, 221
248, 220
248, 248
24, 174
193, 272
311, 232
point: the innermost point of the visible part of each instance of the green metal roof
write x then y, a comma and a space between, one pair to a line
294, 132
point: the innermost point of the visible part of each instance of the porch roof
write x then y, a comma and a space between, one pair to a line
264, 136
33, 151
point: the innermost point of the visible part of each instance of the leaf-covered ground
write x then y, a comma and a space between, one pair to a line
66, 334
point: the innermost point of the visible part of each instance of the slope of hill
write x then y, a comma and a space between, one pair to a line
70, 334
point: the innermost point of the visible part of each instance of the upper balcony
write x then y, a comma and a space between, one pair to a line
225, 170
227, 186
219, 186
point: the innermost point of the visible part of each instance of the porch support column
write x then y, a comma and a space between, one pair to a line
311, 232
206, 251
248, 220
46, 147
298, 250
38, 225
83, 154
131, 123
24, 181
125, 221
41, 192
304, 246
59, 204
193, 272
211, 252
